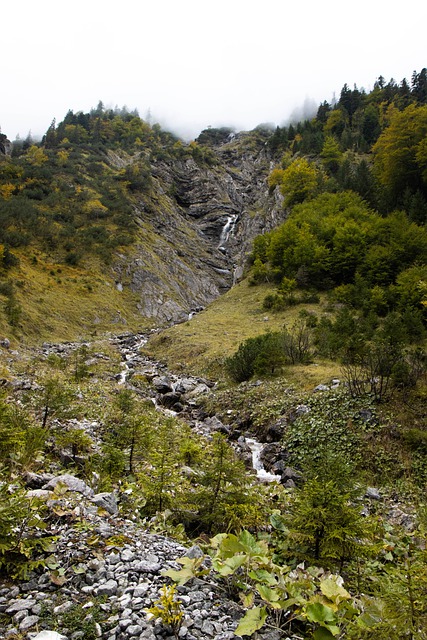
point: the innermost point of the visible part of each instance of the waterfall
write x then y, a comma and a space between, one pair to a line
256, 449
227, 230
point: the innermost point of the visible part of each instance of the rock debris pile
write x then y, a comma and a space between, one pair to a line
103, 575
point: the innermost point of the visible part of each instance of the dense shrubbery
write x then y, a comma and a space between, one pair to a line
385, 571
268, 353
330, 240
374, 265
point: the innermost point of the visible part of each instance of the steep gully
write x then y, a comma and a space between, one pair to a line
196, 228
171, 389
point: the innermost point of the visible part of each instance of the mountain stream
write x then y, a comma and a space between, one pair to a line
129, 347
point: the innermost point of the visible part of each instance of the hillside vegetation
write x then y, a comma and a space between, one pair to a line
107, 200
111, 227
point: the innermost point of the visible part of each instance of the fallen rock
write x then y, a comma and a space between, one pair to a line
49, 635
28, 622
162, 384
106, 501
72, 483
373, 493
299, 411
109, 588
21, 605
37, 480
321, 387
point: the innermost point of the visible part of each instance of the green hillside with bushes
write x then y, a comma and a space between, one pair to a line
165, 305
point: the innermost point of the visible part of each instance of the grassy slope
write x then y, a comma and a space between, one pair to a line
201, 344
59, 302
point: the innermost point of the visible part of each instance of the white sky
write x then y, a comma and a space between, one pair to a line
196, 63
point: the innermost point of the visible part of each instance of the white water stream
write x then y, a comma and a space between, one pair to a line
255, 446
226, 231
263, 475
129, 356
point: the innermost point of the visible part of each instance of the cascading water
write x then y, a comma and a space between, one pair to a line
131, 352
227, 231
129, 355
256, 449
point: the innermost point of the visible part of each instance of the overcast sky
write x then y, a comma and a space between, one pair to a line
195, 63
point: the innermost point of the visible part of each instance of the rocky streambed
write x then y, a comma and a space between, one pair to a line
182, 395
105, 570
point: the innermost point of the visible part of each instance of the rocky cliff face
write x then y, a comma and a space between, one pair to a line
196, 228
5, 145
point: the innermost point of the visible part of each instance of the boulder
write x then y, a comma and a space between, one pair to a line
299, 411
43, 494
49, 635
37, 480
162, 384
72, 483
291, 474
274, 432
184, 385
200, 389
272, 453
373, 493
321, 387
169, 399
214, 424
106, 501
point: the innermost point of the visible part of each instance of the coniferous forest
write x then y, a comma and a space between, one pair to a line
166, 304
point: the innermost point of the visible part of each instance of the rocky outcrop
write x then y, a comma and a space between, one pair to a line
5, 145
196, 227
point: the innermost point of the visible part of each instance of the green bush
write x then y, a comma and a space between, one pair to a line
21, 527
263, 354
266, 354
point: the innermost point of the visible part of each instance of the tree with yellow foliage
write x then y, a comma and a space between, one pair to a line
400, 153
300, 181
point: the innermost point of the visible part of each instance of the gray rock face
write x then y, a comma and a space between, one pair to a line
196, 242
37, 480
321, 387
5, 145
